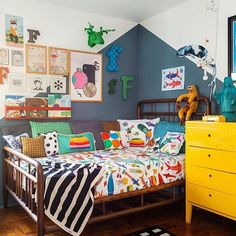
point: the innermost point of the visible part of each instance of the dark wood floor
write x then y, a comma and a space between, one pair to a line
15, 222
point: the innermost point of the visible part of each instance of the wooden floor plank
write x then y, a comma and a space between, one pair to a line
15, 222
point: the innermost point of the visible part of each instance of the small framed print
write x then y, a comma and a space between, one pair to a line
58, 61
16, 83
36, 59
17, 58
4, 56
58, 84
38, 84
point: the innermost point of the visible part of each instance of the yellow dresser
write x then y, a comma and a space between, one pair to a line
211, 167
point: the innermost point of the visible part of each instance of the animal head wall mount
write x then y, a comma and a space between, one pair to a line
95, 37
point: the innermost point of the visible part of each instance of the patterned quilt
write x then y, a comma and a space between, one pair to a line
128, 169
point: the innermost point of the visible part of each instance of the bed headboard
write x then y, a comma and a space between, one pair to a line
166, 109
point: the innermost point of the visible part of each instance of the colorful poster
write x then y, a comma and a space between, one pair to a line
57, 101
15, 101
85, 76
14, 31
173, 78
36, 102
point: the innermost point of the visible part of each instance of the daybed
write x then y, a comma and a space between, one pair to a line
21, 184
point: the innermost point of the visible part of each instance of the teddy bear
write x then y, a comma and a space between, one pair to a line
191, 106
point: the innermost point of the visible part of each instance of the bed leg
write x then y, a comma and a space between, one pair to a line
188, 212
5, 177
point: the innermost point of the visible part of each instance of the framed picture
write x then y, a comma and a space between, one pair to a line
173, 78
17, 58
232, 46
36, 59
58, 84
14, 30
38, 84
85, 76
58, 61
4, 56
16, 83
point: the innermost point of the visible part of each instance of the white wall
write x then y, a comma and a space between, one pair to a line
190, 24
59, 27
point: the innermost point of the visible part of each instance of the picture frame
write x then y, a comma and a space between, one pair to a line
85, 81
17, 58
14, 31
58, 84
58, 61
4, 56
232, 47
36, 59
38, 84
17, 83
173, 78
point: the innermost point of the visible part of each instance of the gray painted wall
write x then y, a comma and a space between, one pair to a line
155, 55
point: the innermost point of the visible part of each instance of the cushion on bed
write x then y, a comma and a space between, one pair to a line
76, 143
163, 127
139, 131
115, 139
15, 141
45, 127
33, 147
93, 126
51, 144
172, 143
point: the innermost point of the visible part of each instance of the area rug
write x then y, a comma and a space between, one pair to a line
154, 230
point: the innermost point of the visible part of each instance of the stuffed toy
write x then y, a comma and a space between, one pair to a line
191, 105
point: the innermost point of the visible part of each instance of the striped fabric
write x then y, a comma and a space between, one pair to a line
68, 197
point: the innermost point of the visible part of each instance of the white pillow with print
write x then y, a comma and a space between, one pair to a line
14, 142
51, 143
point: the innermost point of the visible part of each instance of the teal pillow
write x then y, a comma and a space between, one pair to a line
76, 143
163, 127
38, 128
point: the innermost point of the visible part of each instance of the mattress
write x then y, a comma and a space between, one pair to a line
128, 169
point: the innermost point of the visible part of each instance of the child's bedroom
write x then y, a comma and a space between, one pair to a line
118, 118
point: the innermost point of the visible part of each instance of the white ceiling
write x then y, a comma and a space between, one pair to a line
134, 10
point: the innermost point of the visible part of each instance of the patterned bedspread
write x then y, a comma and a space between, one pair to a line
128, 169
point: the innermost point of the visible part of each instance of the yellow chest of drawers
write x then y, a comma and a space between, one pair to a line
211, 168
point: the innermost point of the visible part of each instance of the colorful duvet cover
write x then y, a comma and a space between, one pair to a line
128, 169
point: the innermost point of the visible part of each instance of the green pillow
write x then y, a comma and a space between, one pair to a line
38, 128
76, 143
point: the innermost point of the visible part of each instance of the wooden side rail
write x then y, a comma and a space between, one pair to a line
26, 188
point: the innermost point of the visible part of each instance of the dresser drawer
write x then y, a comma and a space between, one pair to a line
216, 201
210, 135
217, 180
215, 159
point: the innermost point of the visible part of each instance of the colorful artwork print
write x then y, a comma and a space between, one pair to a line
36, 102
59, 100
17, 58
4, 56
58, 85
86, 76
58, 61
173, 78
15, 101
38, 84
14, 31
16, 83
36, 59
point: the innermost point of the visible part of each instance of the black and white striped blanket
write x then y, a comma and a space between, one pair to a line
68, 197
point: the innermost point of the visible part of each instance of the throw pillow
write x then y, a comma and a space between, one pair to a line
113, 139
45, 127
51, 144
15, 141
139, 131
76, 143
33, 147
172, 143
